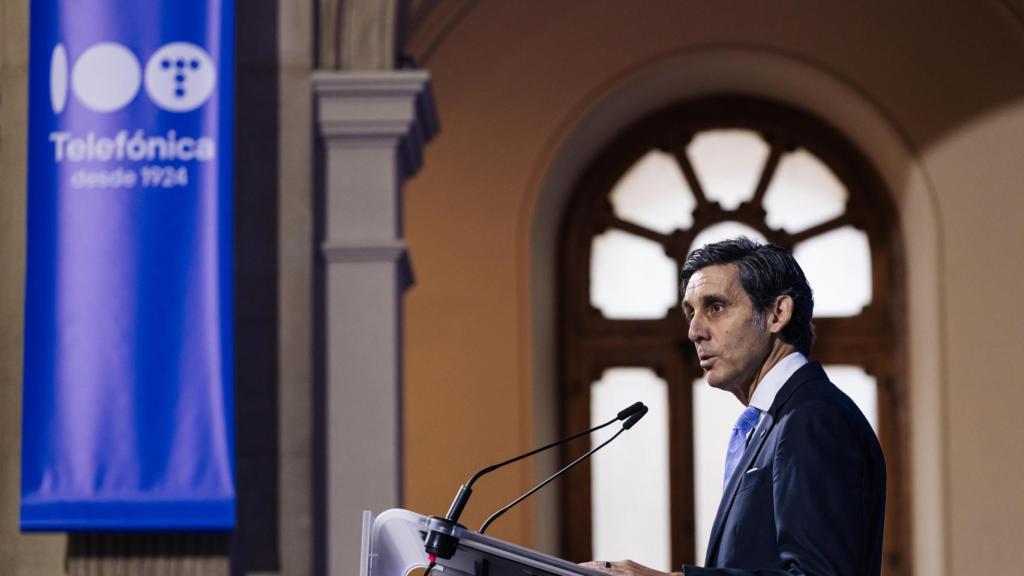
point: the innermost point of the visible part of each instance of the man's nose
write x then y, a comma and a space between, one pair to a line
697, 331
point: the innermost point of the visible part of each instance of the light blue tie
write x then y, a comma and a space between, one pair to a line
738, 440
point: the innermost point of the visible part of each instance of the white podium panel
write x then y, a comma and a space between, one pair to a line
393, 546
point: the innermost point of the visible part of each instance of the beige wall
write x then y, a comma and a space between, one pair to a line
19, 554
977, 172
528, 91
295, 289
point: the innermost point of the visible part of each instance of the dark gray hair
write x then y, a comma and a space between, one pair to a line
766, 272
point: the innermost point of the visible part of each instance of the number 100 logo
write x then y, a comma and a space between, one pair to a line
178, 77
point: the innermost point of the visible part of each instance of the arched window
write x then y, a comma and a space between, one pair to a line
700, 172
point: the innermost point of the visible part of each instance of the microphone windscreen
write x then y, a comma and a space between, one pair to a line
627, 412
635, 418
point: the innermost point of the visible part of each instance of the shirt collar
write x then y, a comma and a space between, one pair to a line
769, 386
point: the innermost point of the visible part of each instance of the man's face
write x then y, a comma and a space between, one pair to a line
732, 341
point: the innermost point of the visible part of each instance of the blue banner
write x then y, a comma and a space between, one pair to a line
128, 375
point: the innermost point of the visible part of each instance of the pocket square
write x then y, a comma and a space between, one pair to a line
754, 469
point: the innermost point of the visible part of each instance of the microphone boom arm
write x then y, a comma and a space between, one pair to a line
441, 540
568, 467
492, 467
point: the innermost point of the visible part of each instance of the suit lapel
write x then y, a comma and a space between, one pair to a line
807, 372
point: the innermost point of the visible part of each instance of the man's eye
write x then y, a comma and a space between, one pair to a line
717, 307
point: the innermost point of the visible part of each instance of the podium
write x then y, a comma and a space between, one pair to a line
393, 546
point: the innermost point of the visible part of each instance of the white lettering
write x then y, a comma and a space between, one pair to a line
104, 149
76, 150
137, 146
134, 146
206, 149
119, 178
186, 148
58, 139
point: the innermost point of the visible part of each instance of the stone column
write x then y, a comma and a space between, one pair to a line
372, 127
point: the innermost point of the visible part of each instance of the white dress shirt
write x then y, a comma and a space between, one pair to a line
769, 386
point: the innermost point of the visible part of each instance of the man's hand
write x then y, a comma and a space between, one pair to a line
626, 568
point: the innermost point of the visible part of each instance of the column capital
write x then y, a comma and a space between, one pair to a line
390, 107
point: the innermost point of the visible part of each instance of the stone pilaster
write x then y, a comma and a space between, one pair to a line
372, 128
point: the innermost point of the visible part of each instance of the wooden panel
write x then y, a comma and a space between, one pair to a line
154, 554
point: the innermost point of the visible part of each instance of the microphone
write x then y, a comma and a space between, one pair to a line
441, 539
631, 421
635, 417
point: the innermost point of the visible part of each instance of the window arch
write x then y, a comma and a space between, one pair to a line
697, 172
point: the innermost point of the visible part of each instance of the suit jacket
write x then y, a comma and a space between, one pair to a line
808, 496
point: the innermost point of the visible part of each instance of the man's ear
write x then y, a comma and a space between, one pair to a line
780, 313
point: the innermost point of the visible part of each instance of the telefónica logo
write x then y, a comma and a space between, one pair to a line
178, 77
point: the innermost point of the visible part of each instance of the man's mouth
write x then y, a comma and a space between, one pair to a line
707, 361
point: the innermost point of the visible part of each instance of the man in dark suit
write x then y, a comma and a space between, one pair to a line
805, 478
